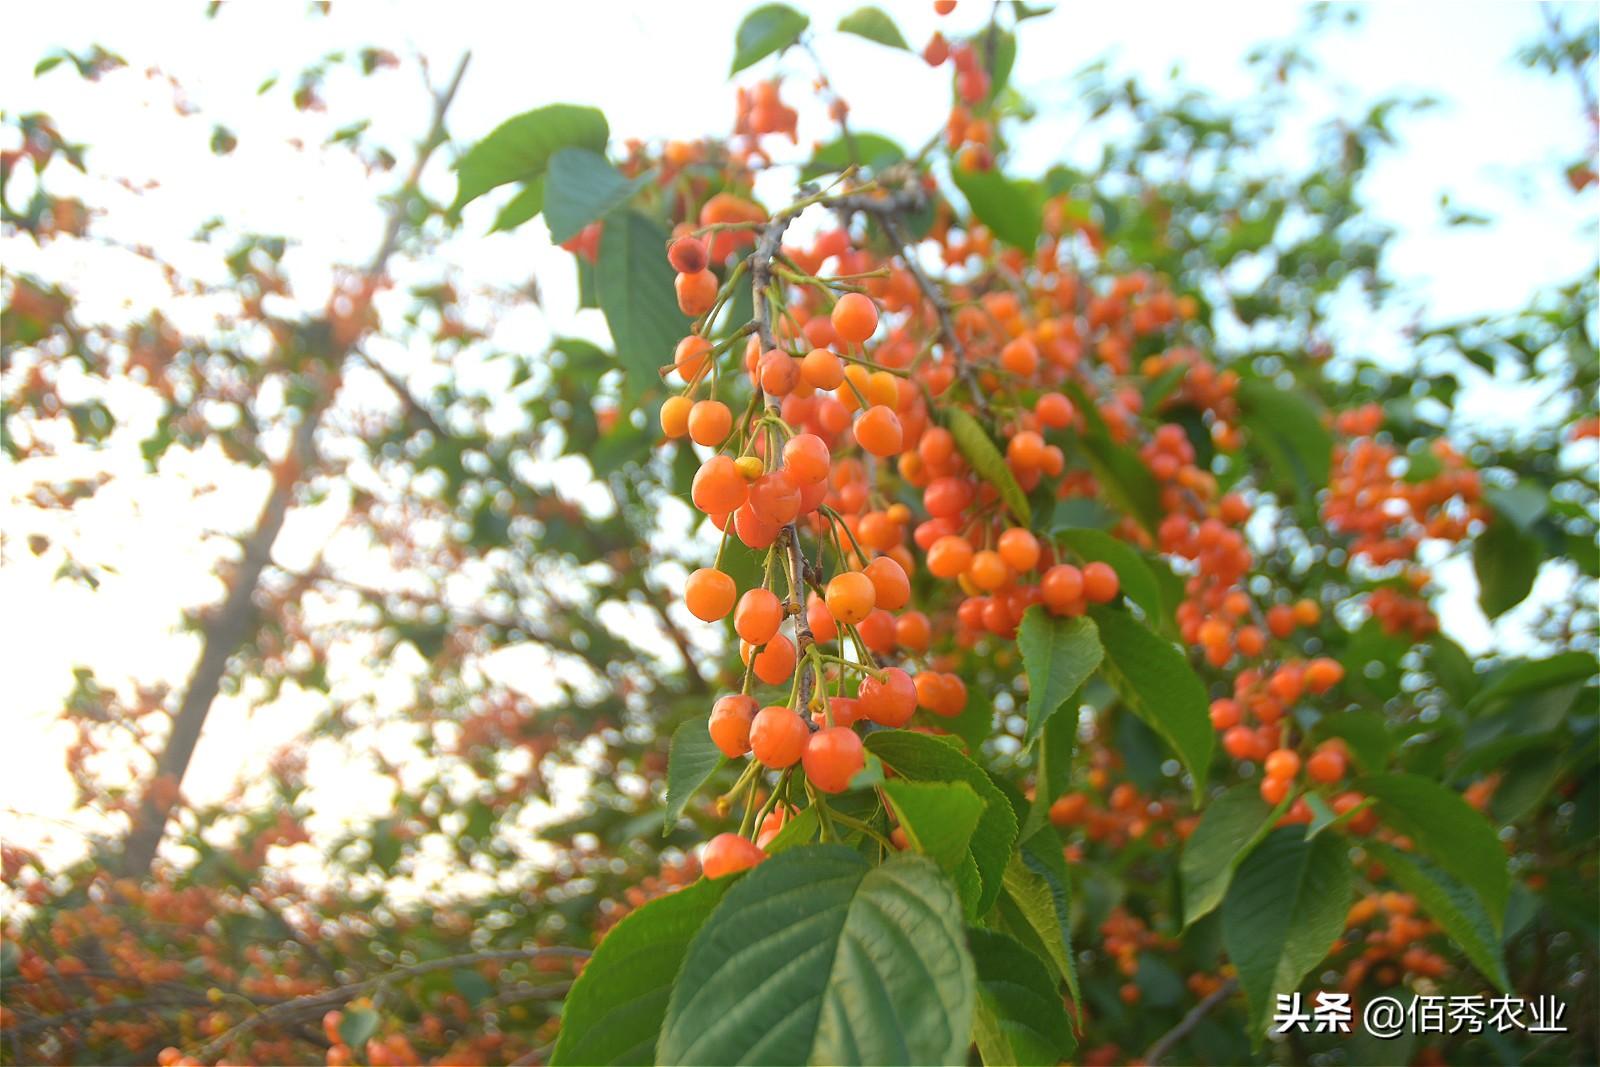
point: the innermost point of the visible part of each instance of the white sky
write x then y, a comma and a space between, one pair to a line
1497, 146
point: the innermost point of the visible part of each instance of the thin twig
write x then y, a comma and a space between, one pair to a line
314, 1004
941, 306
1164, 1043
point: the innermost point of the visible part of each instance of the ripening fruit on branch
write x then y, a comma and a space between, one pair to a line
855, 318
833, 756
778, 737
728, 854
691, 357
807, 459
688, 255
822, 369
888, 699
879, 431
891, 588
719, 486
729, 725
696, 292
675, 416
709, 594
758, 616
850, 597
775, 663
1100, 583
710, 422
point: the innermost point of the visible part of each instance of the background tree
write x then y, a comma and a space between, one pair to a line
525, 502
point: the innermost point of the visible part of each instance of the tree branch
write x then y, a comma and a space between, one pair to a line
231, 625
313, 1005
1164, 1043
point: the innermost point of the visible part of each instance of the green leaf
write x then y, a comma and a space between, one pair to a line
1042, 854
1013, 210
764, 31
1529, 776
1532, 676
1058, 654
1028, 905
873, 24
692, 759
1524, 503
519, 149
1285, 909
1506, 561
528, 202
1447, 830
635, 289
1365, 732
871, 150
1005, 57
1052, 773
1156, 682
817, 956
1289, 432
797, 830
1020, 1018
358, 1025
985, 459
1124, 478
921, 758
580, 187
938, 817
1133, 570
614, 1011
1233, 824
1451, 905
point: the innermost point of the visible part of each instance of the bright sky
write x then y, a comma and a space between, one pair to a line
1496, 146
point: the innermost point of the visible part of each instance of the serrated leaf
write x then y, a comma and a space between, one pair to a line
692, 758
919, 757
614, 1011
1028, 904
1288, 431
938, 817
580, 187
1284, 910
874, 24
1233, 824
1451, 905
1042, 854
817, 956
1013, 210
1157, 684
987, 462
519, 149
1058, 655
636, 293
1447, 830
766, 30
1020, 1018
